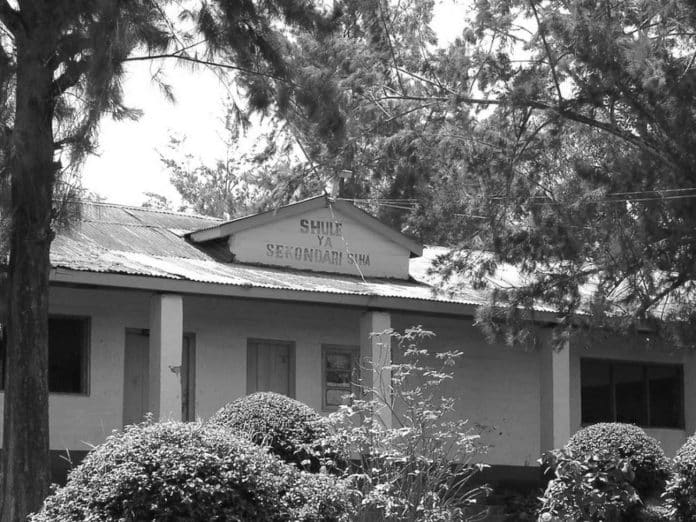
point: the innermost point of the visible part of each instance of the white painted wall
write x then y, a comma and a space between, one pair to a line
222, 327
258, 245
496, 387
76, 421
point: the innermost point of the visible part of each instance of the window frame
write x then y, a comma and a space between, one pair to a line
644, 365
354, 352
252, 363
85, 356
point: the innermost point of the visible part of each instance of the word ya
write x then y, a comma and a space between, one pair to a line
315, 255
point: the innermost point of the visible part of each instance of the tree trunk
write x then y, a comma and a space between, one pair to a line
25, 455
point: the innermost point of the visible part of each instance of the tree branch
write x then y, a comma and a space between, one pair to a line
563, 112
391, 48
552, 64
209, 63
11, 18
676, 284
68, 46
73, 71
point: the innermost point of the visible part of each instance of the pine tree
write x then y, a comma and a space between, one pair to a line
61, 65
582, 171
555, 135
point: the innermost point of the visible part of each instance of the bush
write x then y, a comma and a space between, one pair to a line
188, 471
591, 487
420, 468
681, 488
614, 442
520, 505
288, 427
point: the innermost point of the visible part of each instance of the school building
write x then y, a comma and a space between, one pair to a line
177, 315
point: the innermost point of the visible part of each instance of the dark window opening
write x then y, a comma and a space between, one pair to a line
649, 395
68, 347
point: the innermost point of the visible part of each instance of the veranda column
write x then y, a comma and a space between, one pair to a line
556, 396
375, 355
690, 393
166, 338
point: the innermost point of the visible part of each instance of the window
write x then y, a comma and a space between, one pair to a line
649, 395
339, 374
271, 366
68, 348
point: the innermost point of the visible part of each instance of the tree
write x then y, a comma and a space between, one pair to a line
61, 64
553, 135
582, 172
338, 136
253, 177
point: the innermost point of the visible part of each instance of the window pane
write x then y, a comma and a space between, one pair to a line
630, 394
336, 397
664, 385
338, 361
596, 391
66, 355
339, 376
335, 378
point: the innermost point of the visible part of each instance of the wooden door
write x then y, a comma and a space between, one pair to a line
271, 367
136, 373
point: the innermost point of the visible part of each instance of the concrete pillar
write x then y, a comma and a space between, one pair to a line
556, 396
690, 393
166, 345
375, 357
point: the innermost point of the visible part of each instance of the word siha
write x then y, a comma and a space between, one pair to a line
315, 255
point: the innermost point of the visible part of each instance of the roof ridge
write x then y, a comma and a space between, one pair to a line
148, 209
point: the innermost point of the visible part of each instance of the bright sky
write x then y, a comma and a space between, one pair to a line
128, 163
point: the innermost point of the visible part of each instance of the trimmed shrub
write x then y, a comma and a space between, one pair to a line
616, 441
189, 471
593, 487
681, 488
289, 428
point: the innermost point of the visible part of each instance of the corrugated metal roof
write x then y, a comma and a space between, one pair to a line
143, 242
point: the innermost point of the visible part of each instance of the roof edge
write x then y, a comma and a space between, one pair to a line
243, 223
293, 209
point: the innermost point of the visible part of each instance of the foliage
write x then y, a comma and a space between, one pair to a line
61, 67
579, 172
617, 441
592, 487
348, 141
520, 505
419, 469
251, 178
190, 471
606, 471
319, 496
289, 428
556, 136
680, 492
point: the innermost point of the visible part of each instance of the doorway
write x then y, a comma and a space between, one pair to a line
136, 376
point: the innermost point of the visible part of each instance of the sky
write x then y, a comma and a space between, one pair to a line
128, 164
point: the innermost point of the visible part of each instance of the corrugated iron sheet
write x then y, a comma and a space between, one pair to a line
126, 240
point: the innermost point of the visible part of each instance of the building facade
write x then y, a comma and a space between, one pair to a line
177, 315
